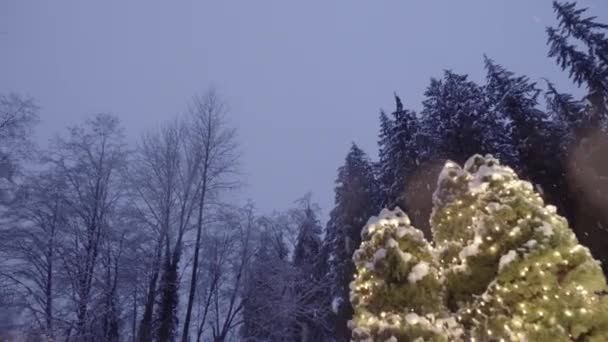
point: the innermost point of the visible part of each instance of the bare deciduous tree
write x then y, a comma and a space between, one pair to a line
30, 246
90, 159
165, 180
18, 115
213, 142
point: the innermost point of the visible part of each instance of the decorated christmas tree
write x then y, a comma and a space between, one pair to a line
503, 266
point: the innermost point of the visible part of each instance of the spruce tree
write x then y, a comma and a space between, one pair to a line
589, 68
564, 131
397, 153
567, 113
355, 201
385, 167
535, 151
308, 244
310, 281
455, 117
515, 99
264, 303
503, 266
580, 46
455, 122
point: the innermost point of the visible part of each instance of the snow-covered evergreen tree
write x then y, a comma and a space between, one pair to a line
398, 154
514, 100
456, 117
503, 266
355, 201
580, 45
308, 243
563, 133
565, 109
535, 150
384, 167
454, 123
309, 281
589, 68
266, 313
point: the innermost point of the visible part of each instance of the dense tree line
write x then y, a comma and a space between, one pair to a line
551, 138
103, 241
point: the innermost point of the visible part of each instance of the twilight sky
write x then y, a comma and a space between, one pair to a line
303, 78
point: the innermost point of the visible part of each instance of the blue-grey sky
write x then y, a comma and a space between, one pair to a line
303, 78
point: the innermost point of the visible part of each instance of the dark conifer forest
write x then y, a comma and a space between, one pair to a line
104, 239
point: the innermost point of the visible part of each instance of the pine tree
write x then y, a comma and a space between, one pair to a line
455, 117
311, 289
586, 143
534, 138
566, 111
564, 131
398, 155
455, 123
384, 168
503, 266
515, 99
589, 68
308, 245
355, 201
264, 304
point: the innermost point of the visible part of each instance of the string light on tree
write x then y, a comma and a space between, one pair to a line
503, 266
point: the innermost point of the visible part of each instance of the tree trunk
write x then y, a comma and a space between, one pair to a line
145, 327
169, 300
134, 321
49, 287
197, 246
